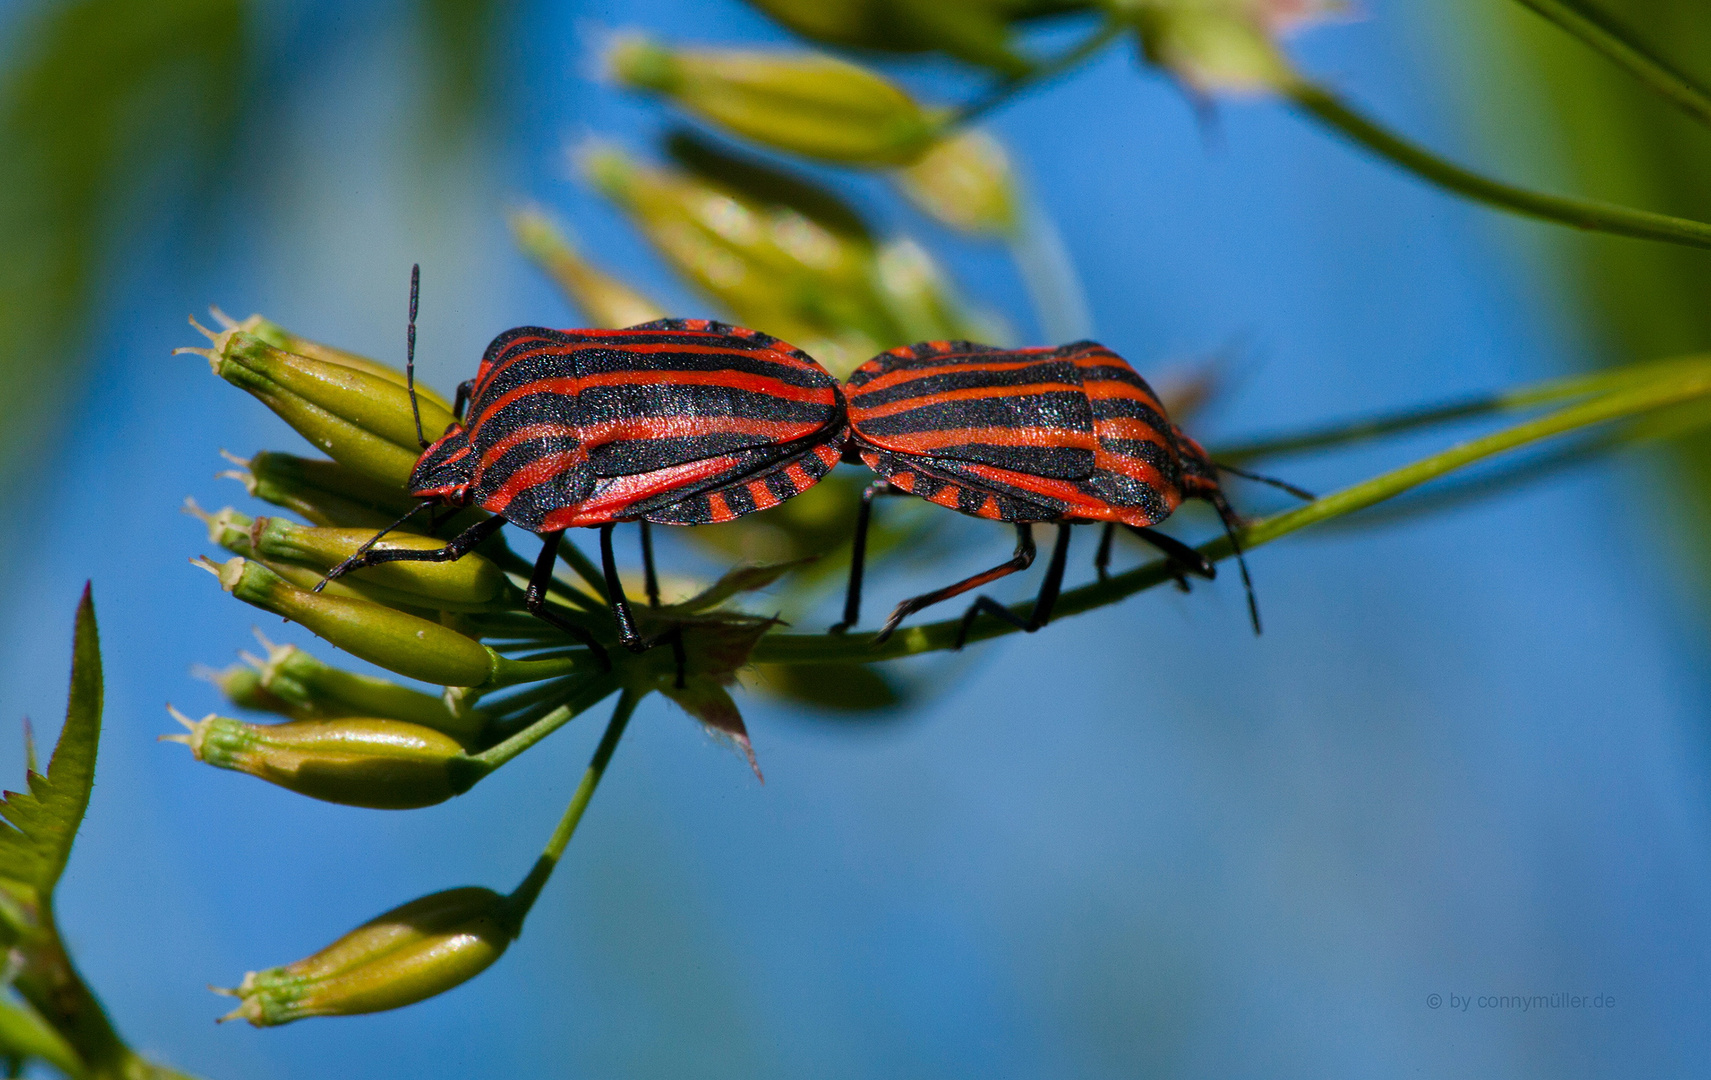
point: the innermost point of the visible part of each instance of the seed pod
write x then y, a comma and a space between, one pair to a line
603, 299
243, 687
354, 761
281, 338
325, 492
964, 180
423, 948
466, 583
299, 679
395, 640
800, 102
975, 31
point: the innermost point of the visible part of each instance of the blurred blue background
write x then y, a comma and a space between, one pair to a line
1468, 756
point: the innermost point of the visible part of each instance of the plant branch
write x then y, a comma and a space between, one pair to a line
1326, 107
1619, 44
1640, 397
523, 898
1042, 72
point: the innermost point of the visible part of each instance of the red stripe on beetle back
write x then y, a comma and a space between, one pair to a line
614, 497
950, 495
989, 509
859, 413
527, 434
536, 472
887, 379
1081, 505
762, 495
549, 347
720, 510
799, 476
926, 442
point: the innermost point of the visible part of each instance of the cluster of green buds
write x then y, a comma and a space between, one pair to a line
498, 679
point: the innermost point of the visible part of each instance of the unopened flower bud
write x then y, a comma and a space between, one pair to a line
602, 298
976, 31
354, 761
469, 582
243, 687
395, 640
918, 296
279, 337
800, 102
360, 420
325, 492
291, 675
423, 948
964, 180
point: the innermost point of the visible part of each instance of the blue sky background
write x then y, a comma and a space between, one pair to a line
1468, 756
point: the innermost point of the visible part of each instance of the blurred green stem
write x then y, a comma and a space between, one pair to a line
524, 897
1619, 44
1641, 394
1329, 109
1355, 431
1042, 72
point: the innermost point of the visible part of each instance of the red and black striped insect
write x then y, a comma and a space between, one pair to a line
1067, 435
677, 421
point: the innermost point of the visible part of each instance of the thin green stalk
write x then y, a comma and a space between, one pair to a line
584, 567
1326, 107
1340, 434
1645, 396
1039, 73
523, 898
590, 694
1619, 44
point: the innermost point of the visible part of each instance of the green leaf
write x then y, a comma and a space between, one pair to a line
736, 580
44, 820
25, 1035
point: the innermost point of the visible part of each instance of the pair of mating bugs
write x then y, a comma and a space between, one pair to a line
691, 422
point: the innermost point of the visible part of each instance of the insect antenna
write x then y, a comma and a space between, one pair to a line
410, 356
1232, 523
355, 560
1300, 493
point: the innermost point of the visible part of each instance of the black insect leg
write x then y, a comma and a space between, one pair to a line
1102, 557
1023, 559
456, 548
858, 555
1183, 559
650, 576
535, 599
1050, 586
463, 390
628, 635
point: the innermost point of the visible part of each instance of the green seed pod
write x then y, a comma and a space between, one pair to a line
395, 640
466, 583
799, 102
423, 948
243, 687
325, 492
281, 338
353, 761
964, 180
602, 298
976, 31
291, 675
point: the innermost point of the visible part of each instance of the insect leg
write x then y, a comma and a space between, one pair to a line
463, 391
1050, 586
1182, 557
1023, 559
535, 599
456, 548
651, 576
1102, 557
628, 636
858, 556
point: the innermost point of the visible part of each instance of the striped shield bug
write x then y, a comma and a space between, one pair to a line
676, 421
1067, 435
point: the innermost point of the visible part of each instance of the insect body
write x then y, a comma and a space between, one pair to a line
1068, 435
677, 421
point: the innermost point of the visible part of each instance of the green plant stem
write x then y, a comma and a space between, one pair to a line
1617, 43
1354, 431
1644, 396
1332, 111
523, 898
1039, 73
585, 569
590, 694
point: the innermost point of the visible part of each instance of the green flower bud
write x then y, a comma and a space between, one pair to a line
976, 31
920, 300
354, 761
325, 492
360, 420
281, 338
800, 102
964, 180
301, 681
423, 948
602, 298
398, 641
467, 583
243, 687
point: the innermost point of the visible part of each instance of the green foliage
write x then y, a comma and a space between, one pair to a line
44, 821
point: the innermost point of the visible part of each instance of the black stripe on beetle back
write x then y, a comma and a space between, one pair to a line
940, 382
932, 475
1057, 410
674, 509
